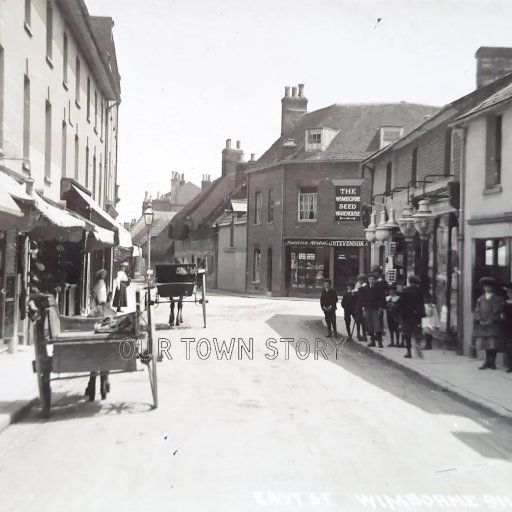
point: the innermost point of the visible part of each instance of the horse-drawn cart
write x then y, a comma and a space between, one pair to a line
70, 345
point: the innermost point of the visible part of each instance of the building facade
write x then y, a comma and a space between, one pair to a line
59, 101
307, 193
416, 186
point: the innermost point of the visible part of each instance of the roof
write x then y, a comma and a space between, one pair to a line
448, 113
204, 209
358, 126
160, 222
503, 95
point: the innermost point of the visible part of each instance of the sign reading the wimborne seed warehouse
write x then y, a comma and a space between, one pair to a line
348, 203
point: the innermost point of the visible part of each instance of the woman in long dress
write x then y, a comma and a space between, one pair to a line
121, 282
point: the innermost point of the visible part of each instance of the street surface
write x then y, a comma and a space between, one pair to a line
263, 434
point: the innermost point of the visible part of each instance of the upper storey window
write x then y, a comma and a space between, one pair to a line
389, 134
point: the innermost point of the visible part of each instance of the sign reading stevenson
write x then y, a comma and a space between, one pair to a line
348, 203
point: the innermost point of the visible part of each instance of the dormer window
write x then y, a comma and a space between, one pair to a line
389, 134
314, 137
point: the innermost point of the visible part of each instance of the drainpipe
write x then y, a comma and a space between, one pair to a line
461, 242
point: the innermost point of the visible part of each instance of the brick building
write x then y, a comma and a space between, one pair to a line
426, 165
306, 192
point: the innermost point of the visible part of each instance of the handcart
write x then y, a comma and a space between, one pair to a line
70, 345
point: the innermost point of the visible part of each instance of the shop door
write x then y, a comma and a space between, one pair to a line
346, 267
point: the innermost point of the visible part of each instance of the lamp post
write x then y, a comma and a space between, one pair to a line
424, 221
149, 215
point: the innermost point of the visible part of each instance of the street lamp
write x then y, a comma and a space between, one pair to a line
370, 230
406, 222
149, 215
424, 219
382, 231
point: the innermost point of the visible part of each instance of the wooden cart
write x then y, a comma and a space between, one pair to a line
65, 345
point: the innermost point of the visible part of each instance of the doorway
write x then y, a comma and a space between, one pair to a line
346, 267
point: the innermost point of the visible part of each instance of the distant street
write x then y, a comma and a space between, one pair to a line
249, 435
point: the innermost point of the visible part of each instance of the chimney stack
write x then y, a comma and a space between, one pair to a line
253, 157
205, 181
231, 157
492, 63
292, 108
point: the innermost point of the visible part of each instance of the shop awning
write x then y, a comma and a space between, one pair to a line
105, 236
124, 238
59, 217
239, 205
10, 190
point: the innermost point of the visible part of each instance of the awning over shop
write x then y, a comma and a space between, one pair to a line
59, 217
124, 238
10, 190
239, 205
105, 236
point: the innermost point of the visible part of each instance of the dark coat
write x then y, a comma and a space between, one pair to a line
372, 297
329, 298
507, 320
487, 316
411, 306
349, 303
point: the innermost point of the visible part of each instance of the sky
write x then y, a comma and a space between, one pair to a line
197, 72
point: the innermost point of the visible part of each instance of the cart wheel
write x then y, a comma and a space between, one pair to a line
45, 393
153, 354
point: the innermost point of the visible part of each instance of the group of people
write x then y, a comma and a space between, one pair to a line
370, 299
102, 296
492, 317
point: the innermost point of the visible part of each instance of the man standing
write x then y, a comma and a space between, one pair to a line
372, 301
328, 301
412, 309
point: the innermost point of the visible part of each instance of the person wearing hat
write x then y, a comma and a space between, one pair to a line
361, 282
381, 280
392, 314
487, 322
120, 283
328, 301
411, 308
372, 301
506, 316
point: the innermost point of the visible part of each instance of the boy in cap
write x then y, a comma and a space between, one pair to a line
328, 301
372, 301
411, 310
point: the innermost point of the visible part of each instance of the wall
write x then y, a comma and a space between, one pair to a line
231, 267
27, 53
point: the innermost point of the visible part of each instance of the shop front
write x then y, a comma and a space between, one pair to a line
309, 262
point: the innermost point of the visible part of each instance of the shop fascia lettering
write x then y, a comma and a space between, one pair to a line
328, 243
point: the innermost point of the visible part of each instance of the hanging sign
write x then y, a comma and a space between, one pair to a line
348, 203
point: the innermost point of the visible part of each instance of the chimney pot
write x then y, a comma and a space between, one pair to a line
301, 90
294, 92
287, 91
253, 157
238, 145
228, 143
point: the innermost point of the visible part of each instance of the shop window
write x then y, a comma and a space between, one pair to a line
256, 266
308, 267
307, 203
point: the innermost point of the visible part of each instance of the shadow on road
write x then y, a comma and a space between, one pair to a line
406, 385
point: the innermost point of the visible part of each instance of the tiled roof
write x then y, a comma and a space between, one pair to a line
160, 222
358, 126
504, 94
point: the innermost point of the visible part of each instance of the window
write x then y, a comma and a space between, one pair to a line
28, 13
389, 134
94, 177
307, 203
308, 266
77, 156
102, 115
48, 141
100, 182
77, 77
26, 117
448, 152
64, 147
232, 231
87, 166
88, 99
270, 213
389, 177
493, 152
65, 59
256, 266
49, 30
96, 111
257, 208
314, 137
414, 167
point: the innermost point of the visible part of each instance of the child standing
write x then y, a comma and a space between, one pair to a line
393, 316
349, 303
430, 322
328, 301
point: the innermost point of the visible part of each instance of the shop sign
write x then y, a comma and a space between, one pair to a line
348, 203
327, 243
